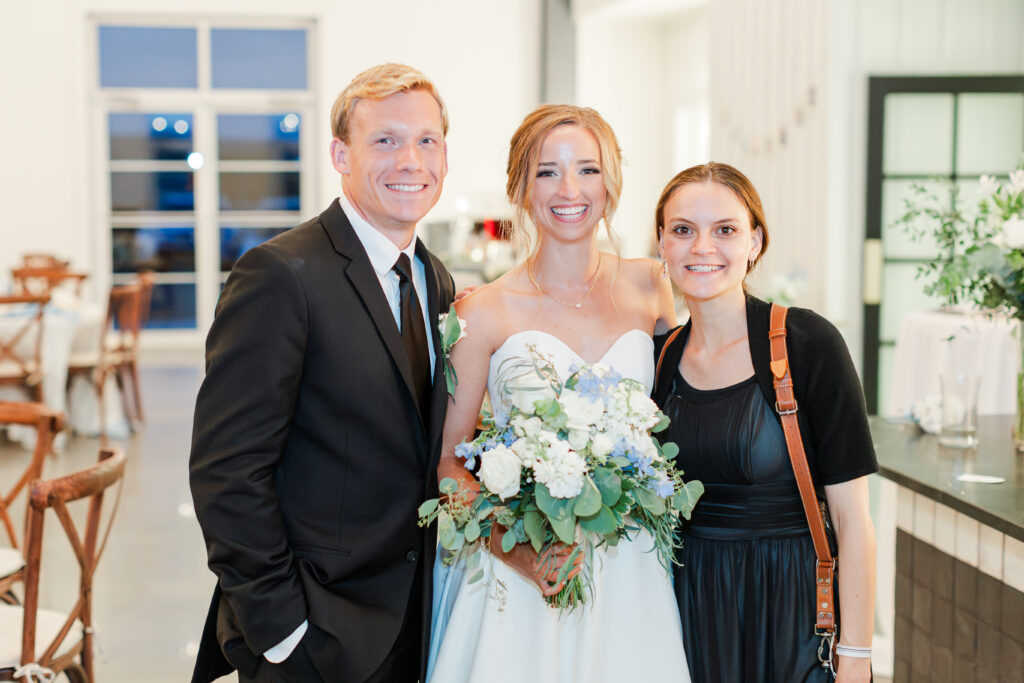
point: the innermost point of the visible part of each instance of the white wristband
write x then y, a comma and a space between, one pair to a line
854, 652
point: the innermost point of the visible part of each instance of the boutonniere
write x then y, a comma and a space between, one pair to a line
452, 328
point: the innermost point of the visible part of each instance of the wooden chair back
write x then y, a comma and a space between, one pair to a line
21, 341
42, 280
41, 260
124, 321
146, 280
90, 483
47, 424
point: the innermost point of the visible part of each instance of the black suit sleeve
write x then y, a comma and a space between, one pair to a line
254, 357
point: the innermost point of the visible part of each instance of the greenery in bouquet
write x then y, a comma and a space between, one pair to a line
981, 239
570, 462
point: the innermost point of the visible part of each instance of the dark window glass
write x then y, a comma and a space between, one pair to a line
277, 191
165, 250
151, 191
259, 58
173, 307
137, 57
260, 136
236, 241
150, 136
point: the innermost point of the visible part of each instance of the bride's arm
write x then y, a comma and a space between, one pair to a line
471, 359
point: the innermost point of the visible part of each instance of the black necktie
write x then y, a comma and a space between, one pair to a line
414, 334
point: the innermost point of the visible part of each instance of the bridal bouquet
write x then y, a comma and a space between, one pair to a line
572, 462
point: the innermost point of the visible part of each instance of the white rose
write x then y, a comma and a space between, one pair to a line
1013, 233
581, 412
525, 391
500, 470
641, 404
1017, 180
578, 438
602, 445
527, 426
527, 450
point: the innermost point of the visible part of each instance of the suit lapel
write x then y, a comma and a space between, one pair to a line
367, 285
439, 391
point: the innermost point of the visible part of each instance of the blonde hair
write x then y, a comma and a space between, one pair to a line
524, 158
376, 83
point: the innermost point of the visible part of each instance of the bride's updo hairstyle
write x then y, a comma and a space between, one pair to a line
723, 174
524, 158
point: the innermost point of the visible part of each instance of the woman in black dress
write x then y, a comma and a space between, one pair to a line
746, 584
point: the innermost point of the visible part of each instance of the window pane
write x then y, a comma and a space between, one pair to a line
902, 293
153, 191
884, 378
277, 191
173, 307
150, 136
236, 241
136, 57
896, 241
918, 137
261, 136
165, 250
990, 132
259, 58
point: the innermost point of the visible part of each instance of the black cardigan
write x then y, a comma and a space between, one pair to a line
831, 409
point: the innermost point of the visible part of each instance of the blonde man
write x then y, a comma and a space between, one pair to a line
317, 428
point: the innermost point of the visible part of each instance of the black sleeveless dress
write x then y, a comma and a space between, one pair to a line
746, 584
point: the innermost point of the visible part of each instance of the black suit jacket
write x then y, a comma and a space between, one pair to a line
309, 454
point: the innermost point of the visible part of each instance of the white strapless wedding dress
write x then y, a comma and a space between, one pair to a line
501, 629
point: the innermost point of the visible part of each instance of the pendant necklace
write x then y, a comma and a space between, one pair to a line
579, 304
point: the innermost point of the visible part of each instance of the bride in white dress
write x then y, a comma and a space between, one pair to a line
574, 304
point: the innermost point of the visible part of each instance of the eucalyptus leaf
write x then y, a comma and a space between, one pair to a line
602, 523
446, 533
472, 530
686, 497
609, 484
588, 502
662, 423
533, 523
476, 577
448, 486
473, 561
649, 500
427, 507
554, 508
508, 541
669, 450
565, 529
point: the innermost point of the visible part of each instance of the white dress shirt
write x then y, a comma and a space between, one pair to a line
383, 255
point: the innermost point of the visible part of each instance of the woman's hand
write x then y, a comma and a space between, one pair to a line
524, 560
852, 670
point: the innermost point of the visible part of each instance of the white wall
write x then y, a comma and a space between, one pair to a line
483, 56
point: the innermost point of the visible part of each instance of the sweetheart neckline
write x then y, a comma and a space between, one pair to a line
572, 350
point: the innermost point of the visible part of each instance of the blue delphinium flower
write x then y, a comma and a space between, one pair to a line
641, 462
501, 419
469, 451
662, 486
509, 438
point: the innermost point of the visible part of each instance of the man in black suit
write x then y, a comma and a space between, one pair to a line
317, 428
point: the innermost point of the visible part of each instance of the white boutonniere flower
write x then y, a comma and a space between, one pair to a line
452, 329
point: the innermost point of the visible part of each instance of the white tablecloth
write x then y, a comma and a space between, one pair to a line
67, 331
932, 342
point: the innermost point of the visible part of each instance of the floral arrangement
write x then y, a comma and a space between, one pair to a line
571, 462
982, 243
983, 253
452, 329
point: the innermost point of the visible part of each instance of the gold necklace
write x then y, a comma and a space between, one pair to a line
579, 304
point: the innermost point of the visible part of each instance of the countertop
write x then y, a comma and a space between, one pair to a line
916, 461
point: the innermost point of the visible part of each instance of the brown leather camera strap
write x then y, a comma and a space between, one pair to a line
785, 405
661, 358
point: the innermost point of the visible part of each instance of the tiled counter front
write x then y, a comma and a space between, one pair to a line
957, 611
959, 597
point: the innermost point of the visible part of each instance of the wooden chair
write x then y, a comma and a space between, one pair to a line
54, 642
21, 342
41, 260
116, 354
43, 280
47, 424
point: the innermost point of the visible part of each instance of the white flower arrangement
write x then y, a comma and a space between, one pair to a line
572, 462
